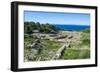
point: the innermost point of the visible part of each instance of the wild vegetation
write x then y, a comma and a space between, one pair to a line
42, 28
42, 42
80, 49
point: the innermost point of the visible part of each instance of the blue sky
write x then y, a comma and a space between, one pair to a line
57, 18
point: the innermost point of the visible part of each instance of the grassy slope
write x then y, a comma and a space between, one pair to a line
79, 50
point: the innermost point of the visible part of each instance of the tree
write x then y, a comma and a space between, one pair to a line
43, 28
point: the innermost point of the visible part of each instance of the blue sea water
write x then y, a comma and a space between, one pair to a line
71, 27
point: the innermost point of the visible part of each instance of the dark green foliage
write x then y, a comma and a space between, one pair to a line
28, 27
43, 28
86, 41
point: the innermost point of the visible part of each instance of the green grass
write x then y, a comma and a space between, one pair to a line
51, 44
79, 50
76, 54
86, 31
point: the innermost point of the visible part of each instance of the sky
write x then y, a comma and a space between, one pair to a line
57, 17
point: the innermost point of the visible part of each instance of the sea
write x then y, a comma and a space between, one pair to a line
70, 27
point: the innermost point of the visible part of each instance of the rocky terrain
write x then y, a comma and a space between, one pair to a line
63, 45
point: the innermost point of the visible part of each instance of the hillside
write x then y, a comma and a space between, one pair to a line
49, 43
